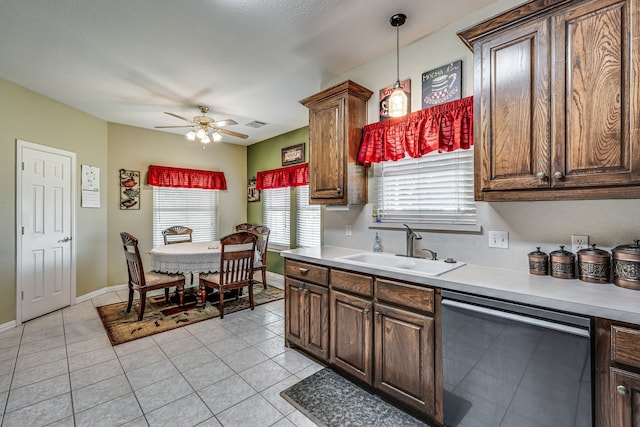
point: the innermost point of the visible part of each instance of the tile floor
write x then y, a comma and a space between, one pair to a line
61, 370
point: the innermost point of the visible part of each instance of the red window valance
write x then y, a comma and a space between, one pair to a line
291, 176
164, 176
445, 127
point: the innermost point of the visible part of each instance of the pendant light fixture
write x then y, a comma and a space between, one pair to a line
398, 102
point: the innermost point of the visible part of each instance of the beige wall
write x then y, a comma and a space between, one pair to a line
530, 224
134, 148
31, 117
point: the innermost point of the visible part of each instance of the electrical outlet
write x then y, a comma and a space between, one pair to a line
499, 239
347, 230
579, 241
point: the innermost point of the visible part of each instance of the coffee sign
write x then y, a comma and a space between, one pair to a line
442, 84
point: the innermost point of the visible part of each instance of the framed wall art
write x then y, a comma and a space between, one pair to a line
129, 190
293, 155
253, 194
442, 84
386, 93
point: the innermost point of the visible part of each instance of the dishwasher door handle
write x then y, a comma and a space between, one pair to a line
518, 318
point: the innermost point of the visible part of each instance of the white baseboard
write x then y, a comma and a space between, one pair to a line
87, 297
6, 326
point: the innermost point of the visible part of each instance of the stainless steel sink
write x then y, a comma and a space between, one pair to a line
419, 266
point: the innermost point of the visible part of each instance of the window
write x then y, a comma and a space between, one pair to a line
277, 215
436, 188
192, 207
308, 219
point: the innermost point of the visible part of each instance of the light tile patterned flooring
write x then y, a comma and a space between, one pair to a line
61, 370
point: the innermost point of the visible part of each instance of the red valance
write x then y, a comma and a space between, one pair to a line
164, 176
291, 176
445, 127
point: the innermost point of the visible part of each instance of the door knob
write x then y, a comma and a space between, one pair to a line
66, 239
558, 175
622, 390
541, 175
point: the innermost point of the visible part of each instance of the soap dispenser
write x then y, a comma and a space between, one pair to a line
377, 244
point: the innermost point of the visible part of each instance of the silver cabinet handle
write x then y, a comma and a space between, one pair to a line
541, 175
339, 190
303, 271
558, 175
622, 390
66, 239
366, 311
376, 313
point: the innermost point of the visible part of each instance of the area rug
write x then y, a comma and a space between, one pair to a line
331, 400
160, 316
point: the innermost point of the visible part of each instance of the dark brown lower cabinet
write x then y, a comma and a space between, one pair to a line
626, 389
307, 316
404, 356
352, 335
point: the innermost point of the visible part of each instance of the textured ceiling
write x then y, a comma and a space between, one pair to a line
128, 61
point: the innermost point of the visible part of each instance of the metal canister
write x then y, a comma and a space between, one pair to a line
562, 264
538, 262
626, 265
594, 265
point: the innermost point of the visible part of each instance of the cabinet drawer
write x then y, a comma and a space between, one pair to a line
625, 345
411, 296
352, 282
307, 272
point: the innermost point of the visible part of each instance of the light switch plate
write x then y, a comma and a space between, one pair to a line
499, 239
347, 230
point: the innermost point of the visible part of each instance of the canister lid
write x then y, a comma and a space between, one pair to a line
593, 251
633, 249
561, 252
537, 252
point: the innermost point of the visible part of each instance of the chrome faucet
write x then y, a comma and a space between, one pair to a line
411, 237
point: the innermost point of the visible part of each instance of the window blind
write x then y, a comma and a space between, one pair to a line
191, 207
277, 216
308, 219
435, 188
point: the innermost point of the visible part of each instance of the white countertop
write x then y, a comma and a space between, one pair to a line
573, 296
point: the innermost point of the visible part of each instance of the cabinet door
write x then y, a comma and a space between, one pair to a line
295, 323
316, 300
351, 335
327, 161
404, 357
626, 391
595, 95
513, 122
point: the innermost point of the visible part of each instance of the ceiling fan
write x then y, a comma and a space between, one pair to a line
205, 128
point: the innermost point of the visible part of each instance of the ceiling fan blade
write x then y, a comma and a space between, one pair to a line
232, 133
179, 117
170, 127
227, 122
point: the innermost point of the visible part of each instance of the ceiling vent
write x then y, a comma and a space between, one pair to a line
255, 124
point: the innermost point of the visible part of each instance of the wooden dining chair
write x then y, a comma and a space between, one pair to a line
245, 226
236, 268
144, 282
262, 233
177, 234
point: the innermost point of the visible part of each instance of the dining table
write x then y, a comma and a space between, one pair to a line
189, 258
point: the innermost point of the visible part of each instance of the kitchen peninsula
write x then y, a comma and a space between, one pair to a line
342, 326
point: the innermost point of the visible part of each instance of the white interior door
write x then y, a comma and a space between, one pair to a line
46, 255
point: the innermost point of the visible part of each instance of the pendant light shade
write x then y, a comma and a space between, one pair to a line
398, 102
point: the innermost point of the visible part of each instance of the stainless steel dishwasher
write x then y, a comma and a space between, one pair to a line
506, 364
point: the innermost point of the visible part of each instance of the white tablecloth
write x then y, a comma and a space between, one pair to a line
190, 257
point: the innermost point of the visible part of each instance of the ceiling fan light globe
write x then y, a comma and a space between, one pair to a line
205, 139
217, 137
201, 133
191, 135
